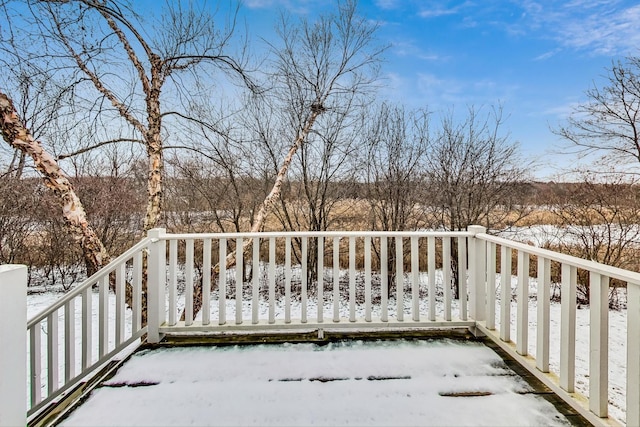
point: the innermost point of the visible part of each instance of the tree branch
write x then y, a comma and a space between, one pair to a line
98, 145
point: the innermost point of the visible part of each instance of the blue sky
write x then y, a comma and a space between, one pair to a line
536, 58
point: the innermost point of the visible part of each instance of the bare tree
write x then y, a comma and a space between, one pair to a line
609, 122
474, 171
220, 171
315, 196
397, 143
598, 218
217, 190
18, 199
473, 174
314, 65
107, 42
321, 175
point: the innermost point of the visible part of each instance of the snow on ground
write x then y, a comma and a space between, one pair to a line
382, 383
546, 234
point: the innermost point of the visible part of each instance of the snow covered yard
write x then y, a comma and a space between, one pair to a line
357, 383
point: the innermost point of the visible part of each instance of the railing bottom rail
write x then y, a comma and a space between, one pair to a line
359, 325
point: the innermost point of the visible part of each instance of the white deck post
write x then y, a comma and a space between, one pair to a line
477, 264
633, 354
13, 345
155, 284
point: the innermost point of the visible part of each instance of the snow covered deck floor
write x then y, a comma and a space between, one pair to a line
418, 382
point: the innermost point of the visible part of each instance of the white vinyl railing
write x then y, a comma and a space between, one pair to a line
305, 279
325, 280
563, 382
85, 329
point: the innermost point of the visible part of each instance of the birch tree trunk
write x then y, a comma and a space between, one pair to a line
94, 253
15, 134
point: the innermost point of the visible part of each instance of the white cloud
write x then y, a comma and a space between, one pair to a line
434, 13
388, 4
605, 27
294, 6
547, 55
409, 48
561, 111
436, 9
441, 92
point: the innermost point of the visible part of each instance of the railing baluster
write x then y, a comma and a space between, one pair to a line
272, 280
320, 286
120, 320
633, 354
446, 276
352, 279
69, 340
206, 282
599, 344
52, 352
415, 280
367, 279
173, 282
103, 316
239, 279
491, 286
303, 280
522, 329
384, 280
462, 277
505, 296
399, 280
35, 363
336, 279
543, 307
137, 292
431, 268
287, 280
222, 282
568, 328
255, 273
87, 318
188, 283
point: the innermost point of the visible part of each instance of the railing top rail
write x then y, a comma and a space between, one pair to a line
270, 234
89, 282
630, 277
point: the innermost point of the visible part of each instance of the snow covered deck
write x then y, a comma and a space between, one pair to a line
386, 383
